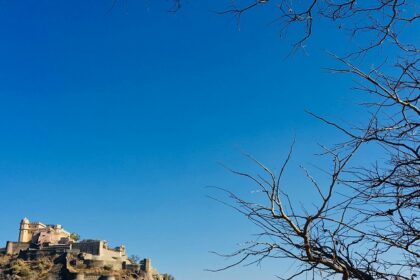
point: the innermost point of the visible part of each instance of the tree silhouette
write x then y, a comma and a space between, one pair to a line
372, 232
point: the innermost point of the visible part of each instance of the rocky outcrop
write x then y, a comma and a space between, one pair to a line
49, 252
69, 266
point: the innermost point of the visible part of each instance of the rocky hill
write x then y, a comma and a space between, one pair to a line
49, 252
65, 266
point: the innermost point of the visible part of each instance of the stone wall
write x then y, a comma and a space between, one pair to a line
100, 251
94, 247
110, 254
15, 247
82, 276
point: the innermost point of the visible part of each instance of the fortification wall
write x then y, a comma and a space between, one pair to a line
90, 247
82, 276
15, 247
110, 254
100, 251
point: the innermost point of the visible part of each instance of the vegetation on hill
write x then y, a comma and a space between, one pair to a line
42, 268
57, 267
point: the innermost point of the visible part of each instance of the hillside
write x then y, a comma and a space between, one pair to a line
50, 252
60, 267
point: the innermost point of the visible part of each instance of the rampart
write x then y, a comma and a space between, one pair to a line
87, 259
93, 247
15, 247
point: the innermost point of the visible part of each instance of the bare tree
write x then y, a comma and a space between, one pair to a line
377, 21
366, 222
372, 232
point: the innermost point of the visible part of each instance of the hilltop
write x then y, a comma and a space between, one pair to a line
49, 252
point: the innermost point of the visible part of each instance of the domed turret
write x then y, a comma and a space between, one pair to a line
24, 230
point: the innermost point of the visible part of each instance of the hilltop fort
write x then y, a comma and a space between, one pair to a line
50, 252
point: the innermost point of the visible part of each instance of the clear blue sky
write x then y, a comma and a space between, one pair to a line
113, 124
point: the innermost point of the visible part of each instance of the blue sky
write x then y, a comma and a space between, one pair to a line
113, 123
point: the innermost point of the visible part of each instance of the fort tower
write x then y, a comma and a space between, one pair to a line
24, 235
